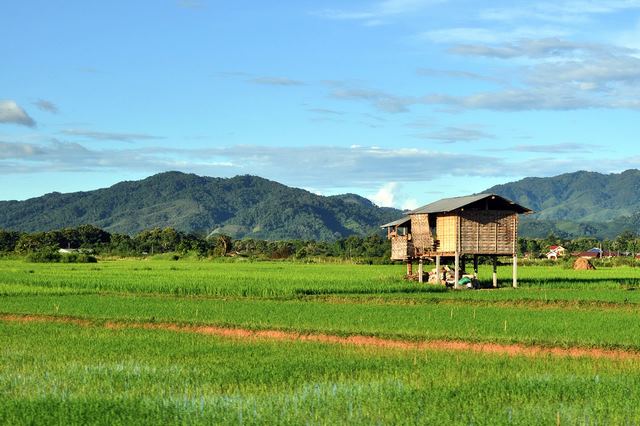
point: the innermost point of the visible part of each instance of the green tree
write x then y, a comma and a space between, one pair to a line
29, 243
92, 236
8, 240
222, 244
625, 242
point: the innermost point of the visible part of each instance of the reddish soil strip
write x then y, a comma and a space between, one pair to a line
356, 340
45, 318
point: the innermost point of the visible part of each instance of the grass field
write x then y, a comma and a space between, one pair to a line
80, 369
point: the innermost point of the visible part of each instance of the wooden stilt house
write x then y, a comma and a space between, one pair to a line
477, 225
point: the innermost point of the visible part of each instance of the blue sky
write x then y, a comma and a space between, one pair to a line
402, 101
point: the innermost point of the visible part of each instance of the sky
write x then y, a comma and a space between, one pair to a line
401, 101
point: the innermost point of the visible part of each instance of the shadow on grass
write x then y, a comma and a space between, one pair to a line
410, 289
568, 282
414, 288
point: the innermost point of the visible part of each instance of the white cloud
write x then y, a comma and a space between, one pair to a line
325, 111
559, 148
312, 166
560, 75
565, 12
47, 106
382, 101
590, 73
19, 150
456, 134
319, 167
629, 38
277, 81
386, 195
539, 48
528, 99
380, 10
457, 74
410, 204
392, 194
12, 113
108, 136
488, 35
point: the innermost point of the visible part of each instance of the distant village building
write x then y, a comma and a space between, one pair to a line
476, 225
67, 250
72, 250
555, 252
596, 253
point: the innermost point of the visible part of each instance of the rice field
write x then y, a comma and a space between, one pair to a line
108, 343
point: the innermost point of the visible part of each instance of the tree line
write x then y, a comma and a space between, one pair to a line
169, 240
626, 243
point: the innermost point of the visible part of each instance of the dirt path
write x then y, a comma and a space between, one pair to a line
354, 340
45, 318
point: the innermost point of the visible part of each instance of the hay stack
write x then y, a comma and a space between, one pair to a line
582, 264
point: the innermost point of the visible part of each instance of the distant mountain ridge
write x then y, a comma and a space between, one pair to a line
572, 205
242, 206
578, 204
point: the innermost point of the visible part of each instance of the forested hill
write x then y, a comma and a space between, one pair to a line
243, 206
578, 204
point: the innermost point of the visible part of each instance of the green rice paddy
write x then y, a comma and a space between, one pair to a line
65, 373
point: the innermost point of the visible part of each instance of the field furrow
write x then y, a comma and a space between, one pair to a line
355, 340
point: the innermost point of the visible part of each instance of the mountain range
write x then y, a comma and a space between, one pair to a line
569, 205
578, 204
242, 206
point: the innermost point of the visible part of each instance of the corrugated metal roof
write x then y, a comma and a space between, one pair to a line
396, 222
450, 204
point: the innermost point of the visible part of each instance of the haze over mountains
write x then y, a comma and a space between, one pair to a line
572, 204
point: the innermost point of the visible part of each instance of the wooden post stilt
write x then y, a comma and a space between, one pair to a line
438, 273
475, 265
409, 268
495, 271
420, 271
515, 270
456, 273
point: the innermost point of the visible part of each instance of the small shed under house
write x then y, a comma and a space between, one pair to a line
477, 225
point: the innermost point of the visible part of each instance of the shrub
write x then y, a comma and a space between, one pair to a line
45, 255
49, 255
617, 261
78, 258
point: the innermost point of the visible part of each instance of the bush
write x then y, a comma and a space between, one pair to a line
52, 256
78, 258
617, 261
45, 255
